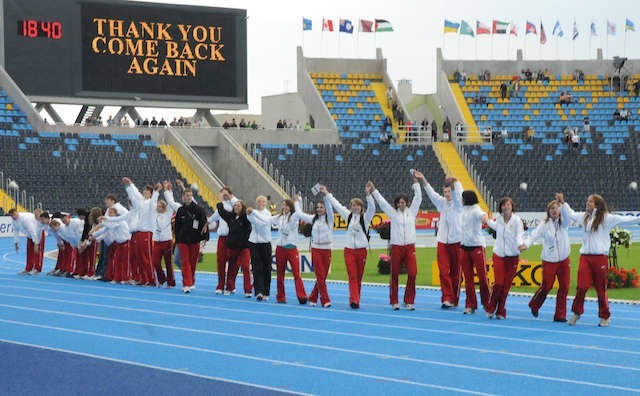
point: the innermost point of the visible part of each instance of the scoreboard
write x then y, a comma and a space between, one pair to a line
93, 51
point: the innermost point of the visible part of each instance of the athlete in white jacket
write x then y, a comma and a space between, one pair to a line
554, 234
356, 241
403, 239
26, 223
260, 248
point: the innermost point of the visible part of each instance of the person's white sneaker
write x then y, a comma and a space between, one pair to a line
469, 311
572, 320
186, 289
85, 277
259, 297
327, 305
192, 287
500, 317
409, 307
76, 277
490, 315
604, 322
247, 295
218, 291
34, 272
395, 307
23, 272
113, 282
312, 304
265, 298
227, 293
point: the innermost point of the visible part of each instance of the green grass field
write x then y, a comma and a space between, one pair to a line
627, 258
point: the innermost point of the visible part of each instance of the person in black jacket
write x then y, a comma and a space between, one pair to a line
237, 244
191, 228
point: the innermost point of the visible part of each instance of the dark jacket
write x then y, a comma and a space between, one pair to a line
239, 228
186, 216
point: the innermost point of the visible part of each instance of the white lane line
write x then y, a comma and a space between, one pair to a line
207, 377
242, 356
493, 325
317, 331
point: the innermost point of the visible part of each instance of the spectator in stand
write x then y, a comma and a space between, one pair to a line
180, 122
233, 123
503, 90
279, 124
110, 121
226, 125
307, 126
575, 139
528, 75
481, 76
389, 96
459, 132
624, 114
516, 88
162, 123
254, 125
456, 76
384, 139
523, 75
174, 123
636, 88
145, 122
487, 75
387, 123
154, 122
434, 129
446, 129
565, 98
586, 126
463, 76
509, 89
616, 115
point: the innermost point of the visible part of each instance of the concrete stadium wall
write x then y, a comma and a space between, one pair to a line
315, 136
288, 106
19, 98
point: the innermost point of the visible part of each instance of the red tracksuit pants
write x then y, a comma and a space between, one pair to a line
32, 256
69, 257
239, 259
141, 265
449, 268
189, 254
592, 270
355, 260
118, 269
86, 262
400, 254
504, 270
222, 256
551, 271
321, 260
291, 256
470, 259
163, 250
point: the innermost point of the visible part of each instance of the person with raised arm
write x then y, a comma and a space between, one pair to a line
162, 240
596, 222
286, 249
321, 239
403, 239
191, 227
449, 236
222, 228
554, 234
237, 244
356, 240
472, 254
260, 248
506, 255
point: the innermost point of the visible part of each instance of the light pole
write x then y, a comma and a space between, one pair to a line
523, 187
633, 186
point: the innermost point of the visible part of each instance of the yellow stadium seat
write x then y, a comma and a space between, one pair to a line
349, 111
526, 117
505, 112
536, 112
335, 116
572, 111
564, 118
489, 106
483, 117
359, 105
377, 117
329, 104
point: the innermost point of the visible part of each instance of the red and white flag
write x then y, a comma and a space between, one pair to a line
366, 26
327, 24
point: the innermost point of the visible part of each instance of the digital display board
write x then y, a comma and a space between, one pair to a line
86, 49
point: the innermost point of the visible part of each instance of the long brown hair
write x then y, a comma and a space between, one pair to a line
93, 215
549, 205
292, 207
601, 210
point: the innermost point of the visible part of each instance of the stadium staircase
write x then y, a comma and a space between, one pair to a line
380, 89
188, 173
474, 135
453, 165
606, 162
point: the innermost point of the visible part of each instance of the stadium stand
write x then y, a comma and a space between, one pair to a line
65, 171
606, 160
346, 168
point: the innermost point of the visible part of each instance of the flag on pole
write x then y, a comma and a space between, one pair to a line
382, 25
628, 25
465, 28
575, 31
593, 29
513, 29
306, 24
346, 26
531, 28
543, 35
557, 29
481, 28
366, 26
611, 28
500, 27
451, 27
327, 25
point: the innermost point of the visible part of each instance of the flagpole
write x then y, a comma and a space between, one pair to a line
459, 45
625, 39
358, 39
476, 41
339, 41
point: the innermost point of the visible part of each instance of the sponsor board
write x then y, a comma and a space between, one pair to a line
529, 274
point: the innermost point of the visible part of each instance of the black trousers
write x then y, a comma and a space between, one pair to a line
103, 259
261, 267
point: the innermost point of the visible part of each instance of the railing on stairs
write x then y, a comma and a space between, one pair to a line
16, 195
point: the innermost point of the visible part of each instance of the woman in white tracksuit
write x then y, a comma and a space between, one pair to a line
321, 239
594, 253
356, 241
403, 239
554, 234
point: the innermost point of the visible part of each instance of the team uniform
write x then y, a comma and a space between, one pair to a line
237, 244
448, 239
556, 248
86, 262
261, 251
116, 235
222, 256
321, 239
163, 243
190, 225
472, 256
506, 255
71, 234
403, 248
594, 256
26, 224
142, 222
356, 242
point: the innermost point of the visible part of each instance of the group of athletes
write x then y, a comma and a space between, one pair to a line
133, 242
